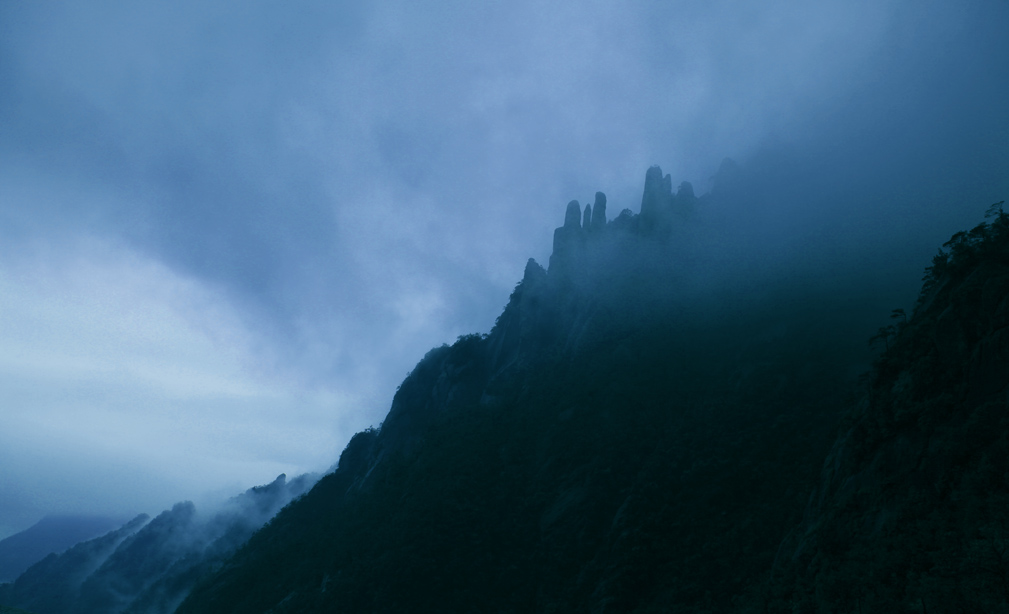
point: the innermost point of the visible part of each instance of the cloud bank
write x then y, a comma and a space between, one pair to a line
226, 236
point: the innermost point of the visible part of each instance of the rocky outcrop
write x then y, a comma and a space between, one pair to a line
587, 242
579, 292
569, 242
913, 502
524, 325
573, 216
656, 202
471, 370
661, 210
599, 212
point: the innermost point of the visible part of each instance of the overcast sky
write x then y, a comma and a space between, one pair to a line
226, 236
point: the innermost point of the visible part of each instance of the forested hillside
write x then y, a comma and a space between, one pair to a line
912, 509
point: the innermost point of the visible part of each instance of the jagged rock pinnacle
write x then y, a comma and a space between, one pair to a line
657, 197
568, 240
599, 212
573, 216
587, 217
533, 272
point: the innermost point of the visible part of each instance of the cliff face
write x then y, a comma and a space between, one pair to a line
912, 509
593, 278
606, 447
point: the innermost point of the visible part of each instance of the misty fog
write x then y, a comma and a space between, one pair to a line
225, 237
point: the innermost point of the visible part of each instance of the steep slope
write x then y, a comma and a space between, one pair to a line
51, 534
912, 509
630, 436
53, 584
148, 566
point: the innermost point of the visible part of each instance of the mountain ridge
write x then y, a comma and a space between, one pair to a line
54, 533
148, 565
516, 470
654, 424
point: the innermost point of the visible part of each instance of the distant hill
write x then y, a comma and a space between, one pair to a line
148, 565
51, 534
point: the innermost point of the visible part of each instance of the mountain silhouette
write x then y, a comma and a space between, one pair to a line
655, 423
148, 565
51, 534
634, 434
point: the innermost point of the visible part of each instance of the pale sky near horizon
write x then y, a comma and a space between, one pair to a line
226, 236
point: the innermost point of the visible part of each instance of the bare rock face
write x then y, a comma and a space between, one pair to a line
587, 239
525, 324
573, 215
656, 201
599, 212
568, 241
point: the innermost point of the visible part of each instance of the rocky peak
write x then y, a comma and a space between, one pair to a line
657, 203
568, 240
658, 191
578, 244
599, 212
533, 273
573, 215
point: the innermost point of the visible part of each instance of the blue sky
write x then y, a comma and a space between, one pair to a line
226, 235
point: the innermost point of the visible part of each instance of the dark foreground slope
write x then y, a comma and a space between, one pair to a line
629, 437
912, 510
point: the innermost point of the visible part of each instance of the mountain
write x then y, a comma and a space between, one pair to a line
53, 584
148, 565
51, 534
912, 508
655, 423
639, 431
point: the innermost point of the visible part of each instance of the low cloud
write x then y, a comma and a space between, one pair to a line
223, 234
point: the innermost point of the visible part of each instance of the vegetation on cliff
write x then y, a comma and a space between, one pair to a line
912, 510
